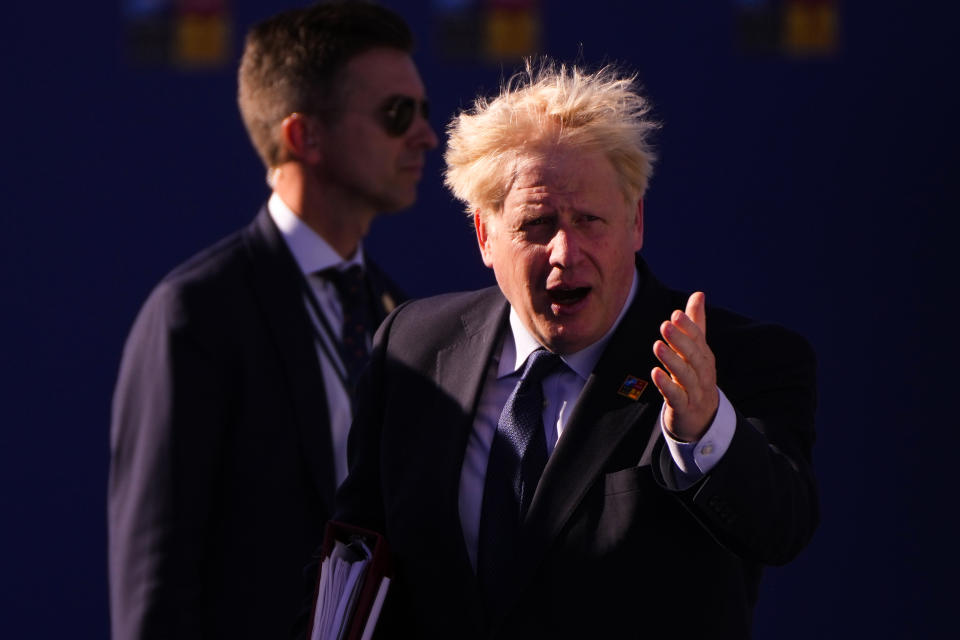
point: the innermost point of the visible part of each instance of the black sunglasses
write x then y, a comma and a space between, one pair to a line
397, 114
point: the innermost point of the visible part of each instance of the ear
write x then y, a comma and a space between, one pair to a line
483, 237
299, 137
638, 228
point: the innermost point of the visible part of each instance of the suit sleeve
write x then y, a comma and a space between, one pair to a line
760, 500
169, 410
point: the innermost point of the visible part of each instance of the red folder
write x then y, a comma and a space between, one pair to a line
375, 578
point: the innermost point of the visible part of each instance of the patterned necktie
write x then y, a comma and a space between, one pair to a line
517, 458
351, 286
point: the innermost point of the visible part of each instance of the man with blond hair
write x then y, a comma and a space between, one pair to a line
233, 401
578, 452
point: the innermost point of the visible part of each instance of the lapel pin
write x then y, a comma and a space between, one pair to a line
632, 387
389, 304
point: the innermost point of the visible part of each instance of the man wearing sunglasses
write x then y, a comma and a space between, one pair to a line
233, 401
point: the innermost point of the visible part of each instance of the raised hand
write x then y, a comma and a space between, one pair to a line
689, 389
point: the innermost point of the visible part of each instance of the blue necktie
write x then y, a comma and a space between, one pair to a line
351, 287
517, 458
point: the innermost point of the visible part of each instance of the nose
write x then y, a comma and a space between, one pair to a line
564, 249
422, 135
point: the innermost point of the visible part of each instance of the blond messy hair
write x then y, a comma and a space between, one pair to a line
543, 108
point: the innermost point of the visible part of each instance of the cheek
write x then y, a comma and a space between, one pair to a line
531, 268
515, 267
615, 253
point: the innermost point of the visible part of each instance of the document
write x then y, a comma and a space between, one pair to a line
352, 584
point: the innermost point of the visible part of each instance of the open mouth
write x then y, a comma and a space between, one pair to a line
564, 296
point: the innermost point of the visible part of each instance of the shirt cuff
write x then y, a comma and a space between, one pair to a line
693, 460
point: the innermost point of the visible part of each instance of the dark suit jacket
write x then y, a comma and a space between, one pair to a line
609, 549
221, 476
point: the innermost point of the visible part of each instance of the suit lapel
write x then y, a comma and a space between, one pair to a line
277, 283
461, 372
462, 367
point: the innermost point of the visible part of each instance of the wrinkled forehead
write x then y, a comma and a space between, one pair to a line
562, 174
544, 170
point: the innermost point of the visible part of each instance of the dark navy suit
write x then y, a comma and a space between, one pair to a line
221, 475
608, 549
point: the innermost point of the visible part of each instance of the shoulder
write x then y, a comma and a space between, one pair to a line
448, 311
204, 281
456, 303
728, 331
212, 287
750, 353
210, 264
731, 335
429, 324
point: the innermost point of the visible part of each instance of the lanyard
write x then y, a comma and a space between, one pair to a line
324, 336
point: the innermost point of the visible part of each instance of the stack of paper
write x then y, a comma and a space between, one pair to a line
352, 585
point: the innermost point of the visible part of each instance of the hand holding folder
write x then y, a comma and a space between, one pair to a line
352, 584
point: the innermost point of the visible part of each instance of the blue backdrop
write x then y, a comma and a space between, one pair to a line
813, 192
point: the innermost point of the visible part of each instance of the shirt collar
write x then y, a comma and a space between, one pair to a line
311, 252
518, 344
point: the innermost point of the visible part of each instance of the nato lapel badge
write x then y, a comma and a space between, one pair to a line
632, 387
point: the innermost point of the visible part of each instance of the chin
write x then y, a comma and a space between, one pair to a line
398, 203
561, 342
567, 339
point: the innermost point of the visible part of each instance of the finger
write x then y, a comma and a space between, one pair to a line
673, 394
681, 371
686, 324
686, 387
688, 346
693, 349
697, 310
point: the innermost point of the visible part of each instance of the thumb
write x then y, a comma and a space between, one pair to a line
696, 310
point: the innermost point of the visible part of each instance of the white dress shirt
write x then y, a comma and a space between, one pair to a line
561, 391
312, 254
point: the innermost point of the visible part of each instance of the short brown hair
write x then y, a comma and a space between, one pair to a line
291, 62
